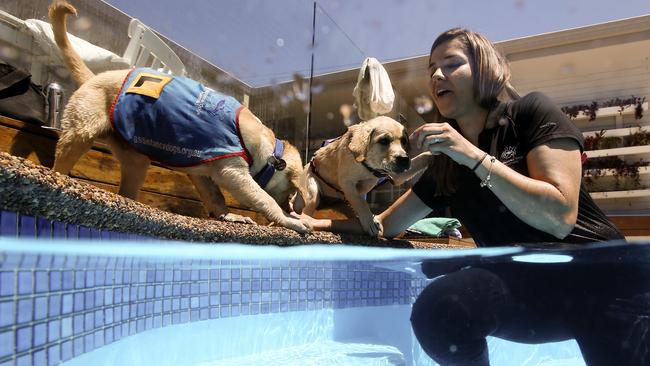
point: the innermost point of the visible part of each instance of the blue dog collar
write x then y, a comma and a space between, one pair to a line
273, 163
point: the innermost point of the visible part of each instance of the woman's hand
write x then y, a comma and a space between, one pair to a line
443, 138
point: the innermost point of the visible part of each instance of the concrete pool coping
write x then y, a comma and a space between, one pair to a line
32, 189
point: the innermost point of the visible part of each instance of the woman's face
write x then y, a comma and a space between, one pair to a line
450, 79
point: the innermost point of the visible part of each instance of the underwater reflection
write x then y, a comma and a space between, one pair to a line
598, 295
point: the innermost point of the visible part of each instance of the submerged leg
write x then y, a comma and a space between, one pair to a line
454, 314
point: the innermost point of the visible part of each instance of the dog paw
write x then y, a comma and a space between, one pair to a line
231, 217
300, 225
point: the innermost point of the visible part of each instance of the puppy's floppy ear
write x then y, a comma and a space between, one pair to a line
360, 140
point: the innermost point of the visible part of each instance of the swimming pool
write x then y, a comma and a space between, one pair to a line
133, 302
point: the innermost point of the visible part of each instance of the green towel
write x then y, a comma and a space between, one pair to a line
434, 226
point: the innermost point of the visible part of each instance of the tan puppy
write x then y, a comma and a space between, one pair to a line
352, 165
87, 117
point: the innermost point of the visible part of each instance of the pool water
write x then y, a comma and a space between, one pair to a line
91, 302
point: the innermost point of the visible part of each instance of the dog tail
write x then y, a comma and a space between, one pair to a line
58, 12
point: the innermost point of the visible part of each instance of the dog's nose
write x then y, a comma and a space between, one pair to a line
403, 162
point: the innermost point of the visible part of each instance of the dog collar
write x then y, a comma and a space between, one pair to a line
273, 163
383, 177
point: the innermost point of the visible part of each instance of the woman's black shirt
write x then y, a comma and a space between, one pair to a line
522, 125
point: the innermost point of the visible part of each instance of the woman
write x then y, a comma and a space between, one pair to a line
509, 169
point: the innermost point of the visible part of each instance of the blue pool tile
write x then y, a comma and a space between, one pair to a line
40, 308
108, 336
58, 230
203, 301
6, 343
157, 306
66, 350
78, 324
42, 281
89, 342
27, 226
55, 280
89, 298
66, 304
39, 358
43, 228
7, 283
122, 295
166, 320
24, 282
72, 231
78, 346
159, 291
109, 277
53, 355
24, 360
53, 330
98, 297
204, 314
203, 275
78, 301
185, 317
8, 223
224, 312
90, 279
66, 327
108, 316
79, 279
25, 310
148, 308
186, 275
194, 315
100, 277
275, 307
23, 339
39, 334
68, 280
98, 338
7, 309
225, 274
84, 232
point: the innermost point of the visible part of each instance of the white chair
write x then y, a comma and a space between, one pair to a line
146, 49
35, 38
15, 32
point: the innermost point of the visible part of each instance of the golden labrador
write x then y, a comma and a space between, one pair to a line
89, 115
352, 165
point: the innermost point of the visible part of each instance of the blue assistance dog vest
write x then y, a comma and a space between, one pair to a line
175, 120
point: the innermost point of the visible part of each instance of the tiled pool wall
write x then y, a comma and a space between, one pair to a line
56, 307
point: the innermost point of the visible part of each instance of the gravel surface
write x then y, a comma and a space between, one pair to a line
32, 189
